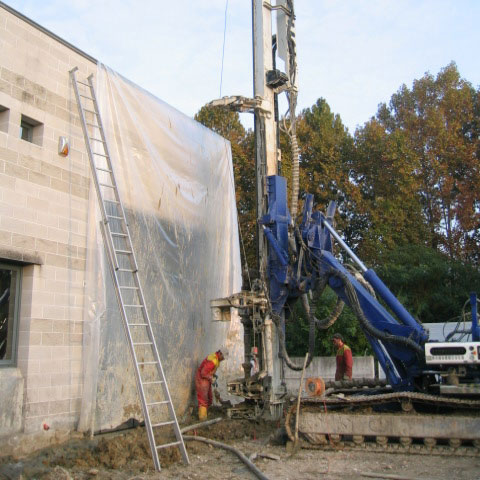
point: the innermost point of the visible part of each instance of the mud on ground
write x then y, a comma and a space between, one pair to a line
126, 456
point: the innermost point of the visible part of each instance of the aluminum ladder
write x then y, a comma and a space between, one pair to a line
151, 382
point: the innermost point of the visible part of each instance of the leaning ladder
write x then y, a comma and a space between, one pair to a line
151, 383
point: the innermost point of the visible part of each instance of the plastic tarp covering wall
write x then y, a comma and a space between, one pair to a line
175, 180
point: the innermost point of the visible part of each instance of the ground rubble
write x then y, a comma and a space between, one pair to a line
126, 456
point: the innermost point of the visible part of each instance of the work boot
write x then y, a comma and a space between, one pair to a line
202, 413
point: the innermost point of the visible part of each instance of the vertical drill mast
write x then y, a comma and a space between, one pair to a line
266, 150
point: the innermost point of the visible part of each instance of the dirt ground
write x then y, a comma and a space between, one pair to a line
126, 456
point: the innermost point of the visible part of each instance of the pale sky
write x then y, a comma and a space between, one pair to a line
354, 53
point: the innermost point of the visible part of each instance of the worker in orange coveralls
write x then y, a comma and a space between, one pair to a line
203, 381
344, 358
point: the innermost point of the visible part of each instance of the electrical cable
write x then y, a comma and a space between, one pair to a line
223, 48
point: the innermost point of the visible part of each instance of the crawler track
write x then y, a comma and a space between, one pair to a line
339, 423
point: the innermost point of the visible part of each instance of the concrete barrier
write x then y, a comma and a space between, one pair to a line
324, 367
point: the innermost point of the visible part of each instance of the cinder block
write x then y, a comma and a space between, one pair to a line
6, 181
59, 379
5, 237
51, 366
12, 224
24, 213
54, 312
14, 198
23, 241
51, 170
53, 338
58, 235
31, 395
29, 162
38, 380
47, 246
36, 230
62, 326
46, 394
56, 260
39, 178
59, 406
36, 409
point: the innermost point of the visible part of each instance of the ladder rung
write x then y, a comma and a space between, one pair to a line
148, 363
92, 125
103, 170
118, 234
137, 324
86, 96
123, 251
166, 445
163, 424
105, 185
163, 402
126, 270
128, 287
115, 216
151, 383
83, 83
134, 306
96, 139
100, 154
90, 111
143, 343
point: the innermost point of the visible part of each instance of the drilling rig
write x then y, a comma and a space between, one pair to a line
296, 262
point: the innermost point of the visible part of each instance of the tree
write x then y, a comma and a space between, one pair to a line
438, 123
432, 286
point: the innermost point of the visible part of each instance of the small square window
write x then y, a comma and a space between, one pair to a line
31, 130
4, 115
10, 279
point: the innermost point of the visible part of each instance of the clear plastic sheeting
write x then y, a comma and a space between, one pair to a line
175, 180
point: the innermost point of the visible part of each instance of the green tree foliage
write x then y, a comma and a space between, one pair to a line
432, 286
325, 146
297, 329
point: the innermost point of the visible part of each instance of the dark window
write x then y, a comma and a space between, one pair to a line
4, 114
31, 130
10, 277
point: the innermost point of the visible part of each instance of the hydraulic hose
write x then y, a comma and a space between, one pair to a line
375, 332
295, 171
325, 322
280, 324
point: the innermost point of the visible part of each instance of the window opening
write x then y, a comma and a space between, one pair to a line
31, 130
4, 115
10, 277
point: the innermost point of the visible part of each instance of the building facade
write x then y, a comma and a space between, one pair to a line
44, 225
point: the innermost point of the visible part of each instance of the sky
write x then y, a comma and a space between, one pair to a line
353, 53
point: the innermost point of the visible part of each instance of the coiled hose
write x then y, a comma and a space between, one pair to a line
295, 172
375, 332
279, 321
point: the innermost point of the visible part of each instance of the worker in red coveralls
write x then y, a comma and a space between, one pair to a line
344, 358
203, 381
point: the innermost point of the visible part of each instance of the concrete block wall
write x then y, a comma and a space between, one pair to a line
324, 367
43, 220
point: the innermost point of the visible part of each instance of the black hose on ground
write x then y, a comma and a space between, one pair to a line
237, 452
